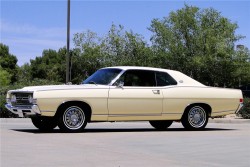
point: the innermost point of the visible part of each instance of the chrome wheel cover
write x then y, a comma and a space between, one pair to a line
197, 117
73, 117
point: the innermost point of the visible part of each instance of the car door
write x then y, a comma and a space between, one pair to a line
135, 95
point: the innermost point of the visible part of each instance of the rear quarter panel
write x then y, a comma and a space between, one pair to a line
222, 101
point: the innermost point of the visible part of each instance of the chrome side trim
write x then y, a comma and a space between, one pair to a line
223, 111
132, 115
172, 113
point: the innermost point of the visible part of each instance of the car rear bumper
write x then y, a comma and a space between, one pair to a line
240, 106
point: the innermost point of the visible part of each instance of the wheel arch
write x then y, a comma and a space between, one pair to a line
206, 106
85, 106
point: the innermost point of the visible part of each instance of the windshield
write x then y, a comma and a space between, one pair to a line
102, 76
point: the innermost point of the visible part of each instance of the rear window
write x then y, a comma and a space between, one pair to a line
164, 79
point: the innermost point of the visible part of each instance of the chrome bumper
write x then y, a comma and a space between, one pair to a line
24, 111
240, 106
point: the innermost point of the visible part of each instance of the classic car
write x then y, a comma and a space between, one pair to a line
121, 93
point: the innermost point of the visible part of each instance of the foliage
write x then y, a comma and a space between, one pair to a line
4, 77
51, 66
118, 47
245, 111
8, 63
197, 42
122, 47
241, 75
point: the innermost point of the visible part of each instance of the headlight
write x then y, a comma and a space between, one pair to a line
30, 98
8, 100
13, 99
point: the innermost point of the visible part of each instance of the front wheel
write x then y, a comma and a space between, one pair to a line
161, 125
195, 118
44, 123
73, 119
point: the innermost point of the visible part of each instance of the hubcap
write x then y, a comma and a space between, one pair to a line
73, 117
197, 117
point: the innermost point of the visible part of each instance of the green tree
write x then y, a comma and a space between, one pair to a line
8, 62
86, 58
24, 74
242, 66
197, 42
118, 47
125, 47
49, 66
4, 77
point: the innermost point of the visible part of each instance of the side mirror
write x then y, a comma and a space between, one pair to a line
120, 84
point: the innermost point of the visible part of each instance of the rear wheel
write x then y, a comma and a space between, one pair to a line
195, 118
44, 123
73, 119
161, 125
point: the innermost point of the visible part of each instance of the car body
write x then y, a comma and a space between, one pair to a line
125, 93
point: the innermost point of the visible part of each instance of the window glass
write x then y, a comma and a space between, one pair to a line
138, 78
102, 76
164, 79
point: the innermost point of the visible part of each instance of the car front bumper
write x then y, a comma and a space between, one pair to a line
24, 111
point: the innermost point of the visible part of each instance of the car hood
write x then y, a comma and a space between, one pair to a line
61, 87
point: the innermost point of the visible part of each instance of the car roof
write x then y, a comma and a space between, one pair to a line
181, 78
140, 68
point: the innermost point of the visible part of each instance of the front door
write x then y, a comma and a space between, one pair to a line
137, 96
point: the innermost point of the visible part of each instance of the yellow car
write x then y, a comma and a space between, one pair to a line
156, 95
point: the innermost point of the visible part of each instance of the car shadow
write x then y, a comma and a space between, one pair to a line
122, 130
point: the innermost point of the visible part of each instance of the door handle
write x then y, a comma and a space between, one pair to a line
156, 91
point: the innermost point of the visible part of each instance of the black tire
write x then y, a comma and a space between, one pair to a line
195, 118
161, 125
72, 119
44, 123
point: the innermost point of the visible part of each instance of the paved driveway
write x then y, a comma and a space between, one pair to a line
125, 145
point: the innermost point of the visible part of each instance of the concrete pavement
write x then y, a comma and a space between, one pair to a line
125, 144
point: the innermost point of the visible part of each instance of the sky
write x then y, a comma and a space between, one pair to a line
30, 26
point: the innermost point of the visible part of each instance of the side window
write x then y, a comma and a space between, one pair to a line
164, 79
138, 78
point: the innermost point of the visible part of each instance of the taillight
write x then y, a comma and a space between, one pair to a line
241, 100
